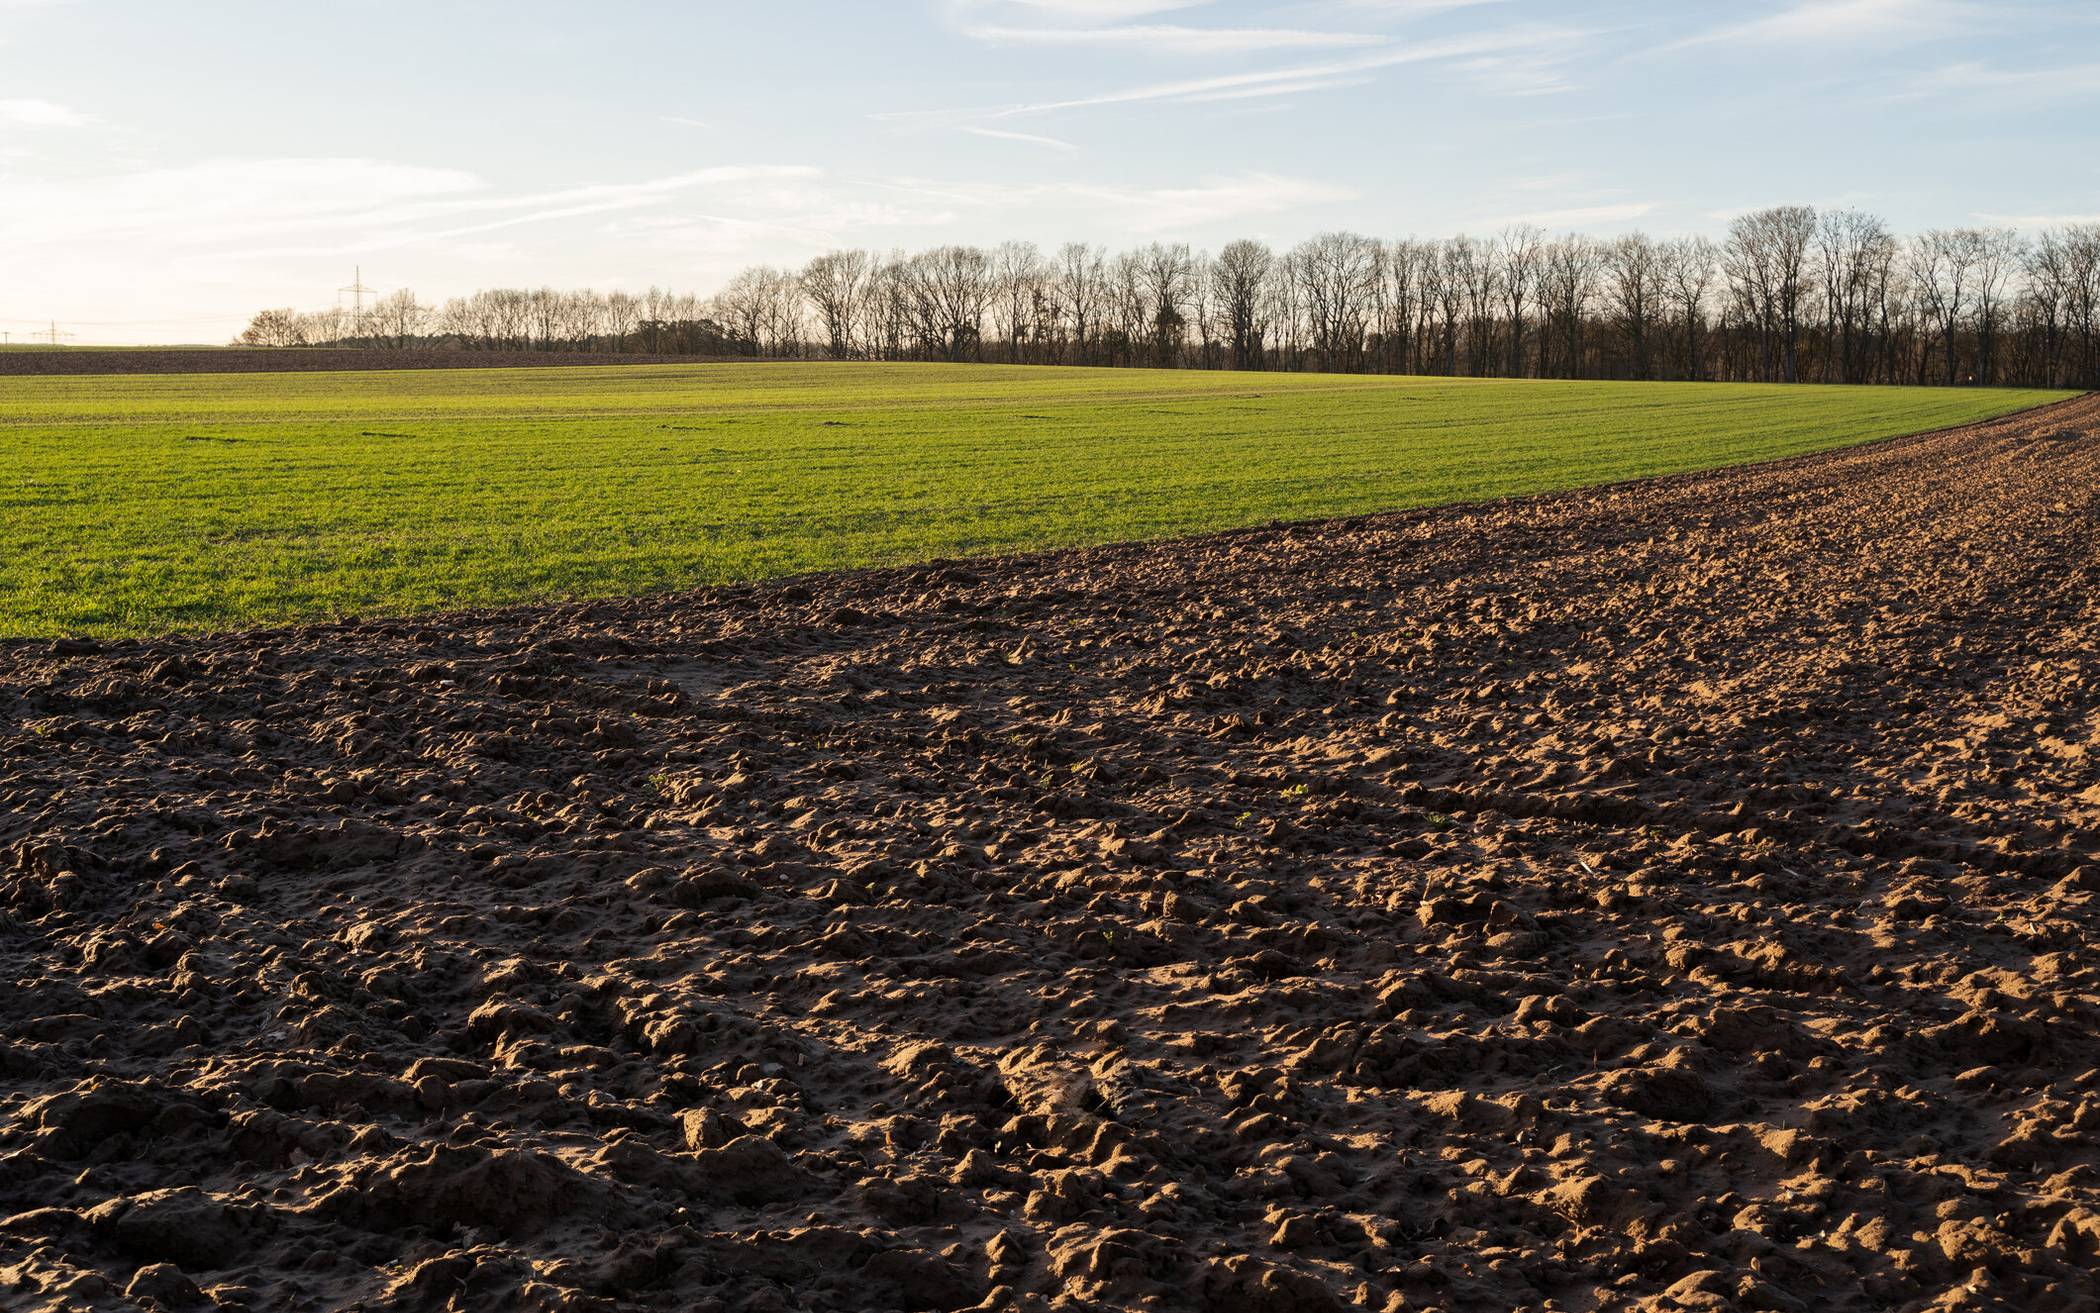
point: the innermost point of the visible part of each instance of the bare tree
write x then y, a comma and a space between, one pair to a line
2083, 241
1339, 274
622, 313
1128, 310
1567, 284
1520, 250
1766, 260
2049, 295
1166, 272
397, 317
273, 328
1633, 277
1239, 279
1018, 274
884, 323
763, 307
1478, 275
1942, 263
1850, 244
1999, 254
1398, 301
1449, 277
583, 318
1080, 287
835, 284
1690, 265
1203, 312
951, 289
1286, 310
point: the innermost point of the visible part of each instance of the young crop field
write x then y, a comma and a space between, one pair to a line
140, 504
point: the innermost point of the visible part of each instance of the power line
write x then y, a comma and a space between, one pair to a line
135, 323
358, 289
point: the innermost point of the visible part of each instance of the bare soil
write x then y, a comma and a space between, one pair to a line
304, 360
1673, 896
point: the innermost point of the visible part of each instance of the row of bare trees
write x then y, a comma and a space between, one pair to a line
1788, 295
512, 319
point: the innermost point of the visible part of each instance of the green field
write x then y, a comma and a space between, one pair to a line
139, 504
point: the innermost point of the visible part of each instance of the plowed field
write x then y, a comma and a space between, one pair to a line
1677, 895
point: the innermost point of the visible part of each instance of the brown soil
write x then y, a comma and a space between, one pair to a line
206, 360
1673, 896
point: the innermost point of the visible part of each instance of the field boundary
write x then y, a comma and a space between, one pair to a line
151, 362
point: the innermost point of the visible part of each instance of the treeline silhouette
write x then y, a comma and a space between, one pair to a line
1789, 294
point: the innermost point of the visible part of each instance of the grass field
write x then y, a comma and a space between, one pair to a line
140, 504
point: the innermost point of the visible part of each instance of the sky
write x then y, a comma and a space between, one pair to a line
167, 167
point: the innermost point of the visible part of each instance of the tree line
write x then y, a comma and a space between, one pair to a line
1790, 294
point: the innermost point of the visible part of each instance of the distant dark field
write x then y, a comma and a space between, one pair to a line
299, 360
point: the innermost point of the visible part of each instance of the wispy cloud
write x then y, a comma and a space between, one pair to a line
2033, 222
365, 204
1832, 23
40, 114
1565, 183
1175, 40
1262, 89
574, 203
1120, 208
216, 201
1300, 77
1029, 138
1092, 11
1406, 8
1519, 75
1173, 209
802, 219
2025, 85
1574, 217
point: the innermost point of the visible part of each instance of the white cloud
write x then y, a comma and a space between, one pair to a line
1303, 77
2035, 222
1575, 217
187, 252
800, 220
1262, 89
1831, 23
1177, 40
40, 114
2006, 85
1225, 200
1116, 208
1408, 8
1102, 11
1518, 75
214, 200
364, 204
1028, 137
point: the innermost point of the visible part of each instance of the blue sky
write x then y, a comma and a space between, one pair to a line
167, 167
